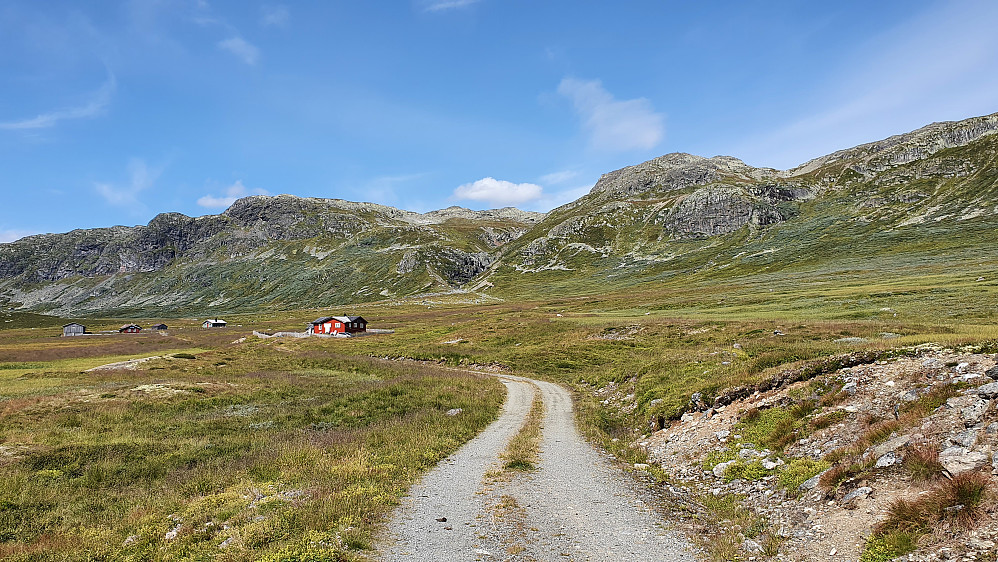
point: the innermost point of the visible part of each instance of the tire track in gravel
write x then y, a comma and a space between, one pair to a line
451, 490
576, 506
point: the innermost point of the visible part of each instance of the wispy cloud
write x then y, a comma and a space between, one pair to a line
241, 49
896, 82
555, 178
442, 5
233, 192
12, 234
275, 16
499, 192
96, 106
140, 178
614, 125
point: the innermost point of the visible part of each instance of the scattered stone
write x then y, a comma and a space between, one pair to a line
966, 439
454, 411
992, 372
751, 546
226, 543
957, 460
973, 414
442, 519
720, 468
811, 483
722, 435
890, 459
132, 539
641, 466
988, 391
172, 533
769, 465
962, 367
910, 396
858, 493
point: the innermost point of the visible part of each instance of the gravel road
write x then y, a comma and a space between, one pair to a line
576, 506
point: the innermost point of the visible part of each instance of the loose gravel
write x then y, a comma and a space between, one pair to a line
576, 506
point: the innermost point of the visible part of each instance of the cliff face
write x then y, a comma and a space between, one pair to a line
676, 215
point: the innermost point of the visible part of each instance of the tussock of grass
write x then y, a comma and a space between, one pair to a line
922, 462
954, 502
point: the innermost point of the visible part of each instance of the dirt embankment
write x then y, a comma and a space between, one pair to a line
821, 464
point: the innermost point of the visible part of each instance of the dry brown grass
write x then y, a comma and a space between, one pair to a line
922, 462
957, 501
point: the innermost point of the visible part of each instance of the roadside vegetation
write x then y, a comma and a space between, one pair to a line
235, 448
218, 450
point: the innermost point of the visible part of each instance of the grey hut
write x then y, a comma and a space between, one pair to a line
74, 329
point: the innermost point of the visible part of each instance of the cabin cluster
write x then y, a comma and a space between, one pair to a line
77, 329
327, 325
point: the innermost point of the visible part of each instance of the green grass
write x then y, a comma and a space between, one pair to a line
286, 454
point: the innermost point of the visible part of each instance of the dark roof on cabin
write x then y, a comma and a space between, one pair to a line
322, 320
72, 324
156, 326
350, 319
131, 326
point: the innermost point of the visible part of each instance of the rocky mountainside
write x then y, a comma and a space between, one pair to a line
925, 197
263, 251
928, 194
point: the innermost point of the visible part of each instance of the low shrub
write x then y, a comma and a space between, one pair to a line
799, 471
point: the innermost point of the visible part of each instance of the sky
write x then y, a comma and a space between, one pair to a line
114, 111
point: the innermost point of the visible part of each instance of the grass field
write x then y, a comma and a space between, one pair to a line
245, 451
232, 447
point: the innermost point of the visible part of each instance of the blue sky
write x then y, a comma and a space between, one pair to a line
112, 112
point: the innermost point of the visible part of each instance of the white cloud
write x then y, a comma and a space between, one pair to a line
240, 48
441, 5
555, 178
614, 125
13, 234
96, 106
141, 178
275, 16
499, 192
233, 192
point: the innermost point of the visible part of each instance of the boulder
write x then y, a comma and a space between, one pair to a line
858, 493
988, 391
992, 372
958, 459
721, 468
890, 459
974, 413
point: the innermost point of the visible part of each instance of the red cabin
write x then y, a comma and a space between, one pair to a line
130, 329
338, 325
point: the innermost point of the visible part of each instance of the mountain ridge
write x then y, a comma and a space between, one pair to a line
675, 215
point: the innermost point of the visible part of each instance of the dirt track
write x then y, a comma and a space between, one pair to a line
575, 506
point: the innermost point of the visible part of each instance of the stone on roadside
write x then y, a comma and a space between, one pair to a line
454, 411
957, 460
858, 493
988, 391
974, 413
887, 460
